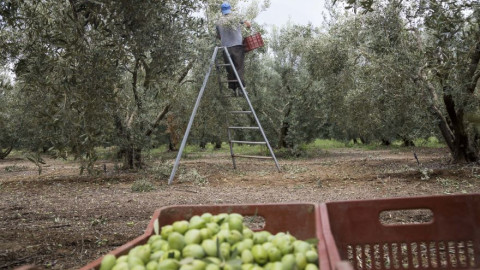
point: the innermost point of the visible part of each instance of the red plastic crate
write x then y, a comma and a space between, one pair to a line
353, 231
253, 42
301, 220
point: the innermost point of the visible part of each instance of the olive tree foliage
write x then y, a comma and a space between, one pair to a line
443, 39
7, 122
95, 73
450, 72
365, 62
288, 96
210, 124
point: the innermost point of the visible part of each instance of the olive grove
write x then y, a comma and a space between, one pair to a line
91, 74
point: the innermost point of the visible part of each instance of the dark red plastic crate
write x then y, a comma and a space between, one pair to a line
253, 42
301, 220
354, 232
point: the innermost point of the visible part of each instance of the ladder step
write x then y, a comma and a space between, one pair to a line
240, 112
244, 128
227, 81
247, 142
223, 65
257, 157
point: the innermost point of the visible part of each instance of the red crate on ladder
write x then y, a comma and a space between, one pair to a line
436, 232
253, 42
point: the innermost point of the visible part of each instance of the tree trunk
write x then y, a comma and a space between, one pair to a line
282, 143
451, 126
218, 142
407, 142
461, 149
132, 157
171, 145
4, 154
364, 140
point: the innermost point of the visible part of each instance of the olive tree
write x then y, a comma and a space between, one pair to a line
92, 74
447, 41
7, 116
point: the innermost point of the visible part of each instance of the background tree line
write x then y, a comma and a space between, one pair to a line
117, 73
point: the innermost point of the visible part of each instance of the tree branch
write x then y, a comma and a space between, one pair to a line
185, 71
271, 122
473, 71
159, 118
443, 124
3, 155
134, 85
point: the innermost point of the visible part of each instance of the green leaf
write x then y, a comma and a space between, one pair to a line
313, 241
218, 249
234, 253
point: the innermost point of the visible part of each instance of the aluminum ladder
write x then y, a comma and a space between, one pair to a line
231, 129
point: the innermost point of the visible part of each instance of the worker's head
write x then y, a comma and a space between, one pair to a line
226, 8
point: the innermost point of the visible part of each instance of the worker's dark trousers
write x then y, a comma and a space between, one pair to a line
237, 53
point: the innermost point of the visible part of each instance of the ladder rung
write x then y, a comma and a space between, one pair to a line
240, 112
257, 157
229, 81
243, 127
247, 142
223, 65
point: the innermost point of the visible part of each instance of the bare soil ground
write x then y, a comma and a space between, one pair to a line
60, 220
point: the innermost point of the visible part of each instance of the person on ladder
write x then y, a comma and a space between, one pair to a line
229, 31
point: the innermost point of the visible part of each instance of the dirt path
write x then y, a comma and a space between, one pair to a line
61, 220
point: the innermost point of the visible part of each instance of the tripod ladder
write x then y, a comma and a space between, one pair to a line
231, 129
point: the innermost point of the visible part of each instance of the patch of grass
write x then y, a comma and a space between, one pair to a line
142, 185
101, 241
250, 149
327, 144
195, 151
16, 168
294, 169
158, 151
107, 153
431, 142
315, 148
15, 154
160, 171
300, 186
192, 176
425, 173
98, 221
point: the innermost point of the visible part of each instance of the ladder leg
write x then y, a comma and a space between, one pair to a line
194, 112
229, 134
251, 108
230, 143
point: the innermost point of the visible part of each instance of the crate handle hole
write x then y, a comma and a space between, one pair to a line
255, 223
406, 216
